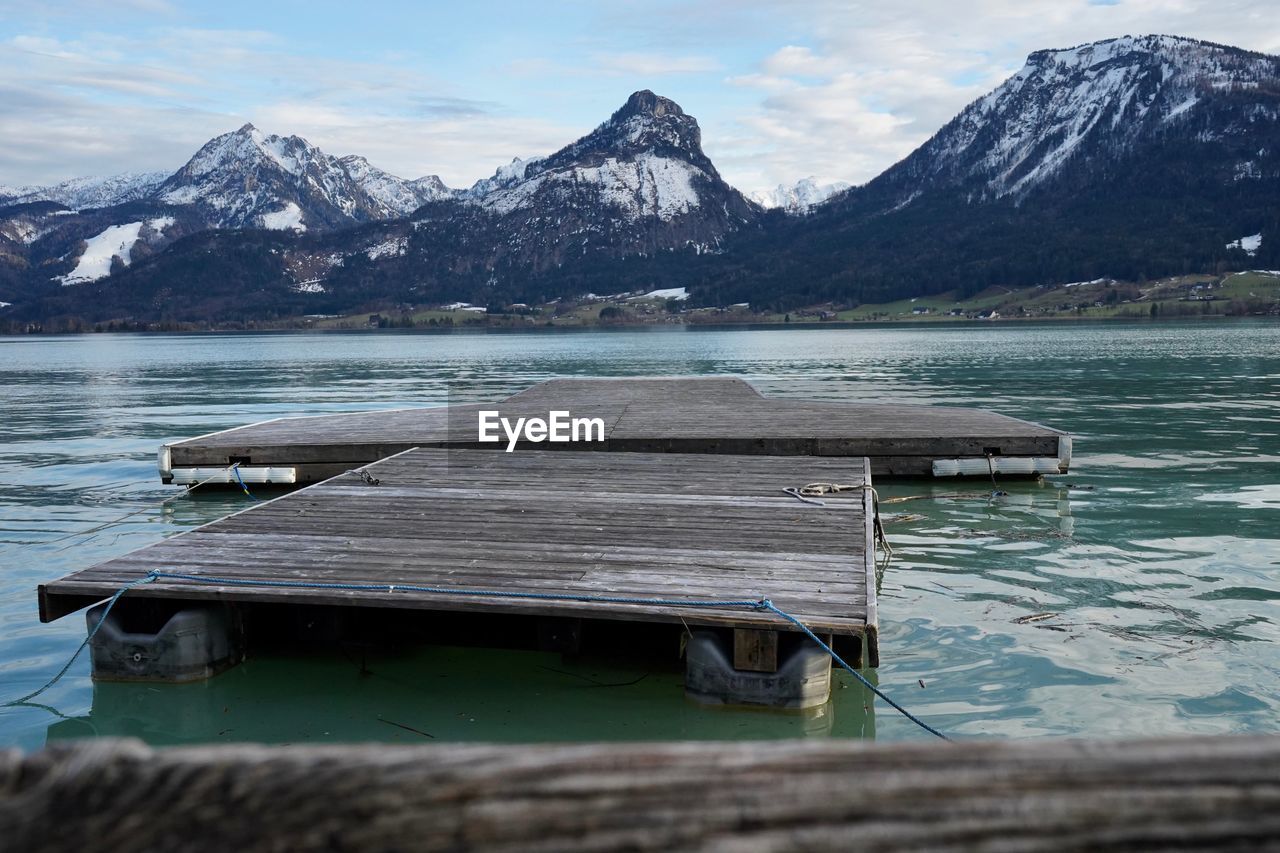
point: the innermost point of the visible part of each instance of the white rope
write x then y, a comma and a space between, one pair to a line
106, 525
810, 491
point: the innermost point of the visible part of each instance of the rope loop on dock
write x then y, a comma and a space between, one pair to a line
811, 491
364, 475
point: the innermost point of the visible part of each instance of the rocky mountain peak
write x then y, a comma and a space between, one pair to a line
1178, 51
432, 185
247, 178
1177, 58
248, 148
646, 103
645, 161
89, 192
1094, 101
647, 125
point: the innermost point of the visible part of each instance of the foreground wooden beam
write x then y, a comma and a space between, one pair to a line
1202, 793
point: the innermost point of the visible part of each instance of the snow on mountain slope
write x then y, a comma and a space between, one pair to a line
1094, 99
800, 197
241, 177
288, 218
95, 261
237, 178
1249, 245
645, 161
506, 176
646, 185
397, 196
393, 247
637, 184
116, 241
431, 188
23, 229
88, 193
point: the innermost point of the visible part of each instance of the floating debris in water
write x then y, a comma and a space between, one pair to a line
1034, 617
406, 728
1019, 535
906, 516
943, 496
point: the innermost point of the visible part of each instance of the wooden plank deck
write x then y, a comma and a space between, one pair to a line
690, 527
706, 415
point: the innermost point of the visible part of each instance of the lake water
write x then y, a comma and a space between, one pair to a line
1157, 557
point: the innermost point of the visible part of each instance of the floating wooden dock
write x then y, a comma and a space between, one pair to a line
708, 416
676, 513
552, 534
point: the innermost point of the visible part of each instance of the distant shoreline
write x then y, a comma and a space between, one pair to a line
506, 328
1251, 293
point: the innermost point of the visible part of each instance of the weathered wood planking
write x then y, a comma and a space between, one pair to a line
1203, 793
708, 415
636, 525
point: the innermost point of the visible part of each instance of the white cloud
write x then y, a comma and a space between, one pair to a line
839, 89
875, 79
458, 149
106, 104
651, 64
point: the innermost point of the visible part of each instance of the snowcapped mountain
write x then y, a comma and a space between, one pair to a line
87, 193
646, 161
639, 183
248, 179
506, 176
800, 197
397, 196
1128, 159
1092, 102
88, 229
430, 188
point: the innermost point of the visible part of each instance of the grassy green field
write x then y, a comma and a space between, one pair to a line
1256, 292
1234, 293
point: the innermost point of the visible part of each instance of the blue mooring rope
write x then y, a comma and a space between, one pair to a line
766, 604
235, 469
754, 604
110, 604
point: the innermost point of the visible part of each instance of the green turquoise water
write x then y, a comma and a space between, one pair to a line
1159, 571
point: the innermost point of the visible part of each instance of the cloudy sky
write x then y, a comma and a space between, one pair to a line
839, 90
